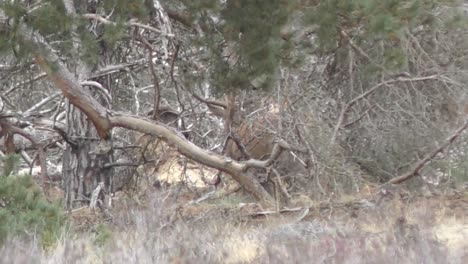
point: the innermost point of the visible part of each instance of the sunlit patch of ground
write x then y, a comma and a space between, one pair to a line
453, 233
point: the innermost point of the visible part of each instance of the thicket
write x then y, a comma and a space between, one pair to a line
348, 50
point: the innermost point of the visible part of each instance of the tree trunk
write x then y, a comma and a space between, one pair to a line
83, 170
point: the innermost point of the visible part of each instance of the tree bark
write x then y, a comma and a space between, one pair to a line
83, 169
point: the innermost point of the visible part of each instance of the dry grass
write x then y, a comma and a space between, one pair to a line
423, 230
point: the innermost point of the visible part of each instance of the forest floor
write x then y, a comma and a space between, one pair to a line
170, 228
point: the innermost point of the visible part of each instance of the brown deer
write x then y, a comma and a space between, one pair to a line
254, 138
245, 139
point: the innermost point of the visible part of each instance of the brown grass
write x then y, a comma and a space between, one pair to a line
418, 230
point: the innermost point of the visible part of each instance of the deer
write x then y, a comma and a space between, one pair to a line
249, 139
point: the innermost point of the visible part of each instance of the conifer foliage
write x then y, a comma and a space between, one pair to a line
24, 211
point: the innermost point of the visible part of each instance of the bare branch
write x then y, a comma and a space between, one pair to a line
157, 89
346, 108
101, 89
17, 85
209, 102
362, 52
130, 23
41, 103
116, 68
418, 166
276, 152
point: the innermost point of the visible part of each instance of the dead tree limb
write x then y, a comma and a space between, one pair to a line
12, 130
418, 166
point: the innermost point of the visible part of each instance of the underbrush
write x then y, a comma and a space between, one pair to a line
396, 231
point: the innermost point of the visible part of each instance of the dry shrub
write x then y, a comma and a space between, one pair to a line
397, 231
